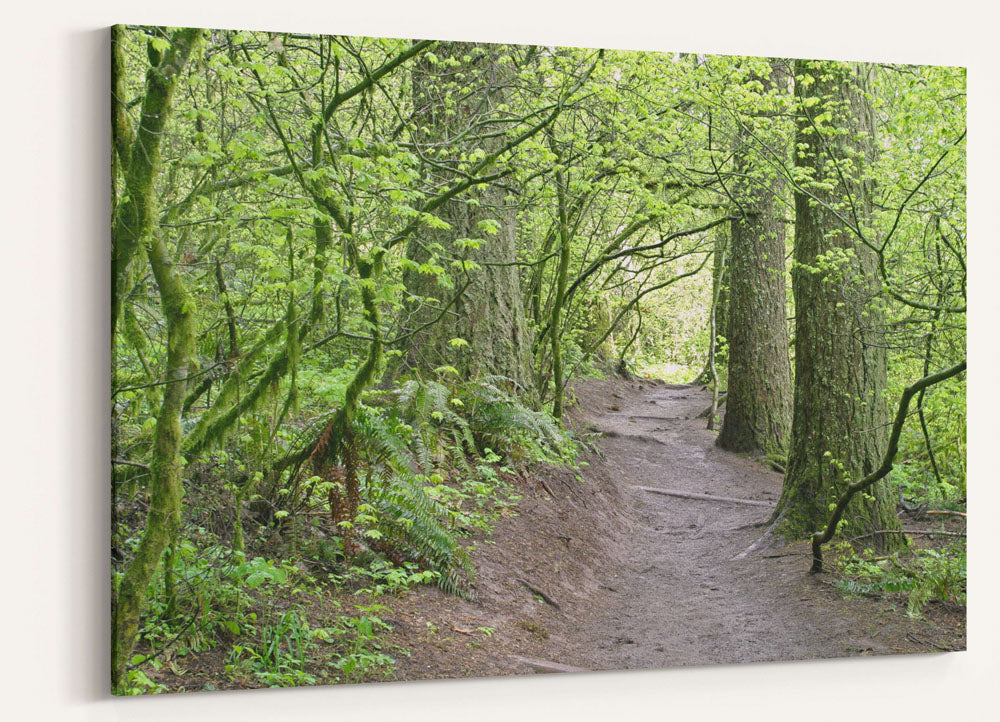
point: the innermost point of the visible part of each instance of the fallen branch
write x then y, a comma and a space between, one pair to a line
822, 537
933, 645
911, 532
704, 497
612, 434
573, 492
751, 525
541, 482
704, 414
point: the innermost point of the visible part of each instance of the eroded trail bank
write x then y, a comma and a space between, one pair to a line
604, 573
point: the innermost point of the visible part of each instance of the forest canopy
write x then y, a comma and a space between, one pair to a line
354, 281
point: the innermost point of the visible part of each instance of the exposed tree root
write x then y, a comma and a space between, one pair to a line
704, 497
535, 590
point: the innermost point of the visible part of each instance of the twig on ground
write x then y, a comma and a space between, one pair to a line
911, 532
545, 486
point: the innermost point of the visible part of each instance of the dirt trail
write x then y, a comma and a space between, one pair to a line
631, 579
679, 597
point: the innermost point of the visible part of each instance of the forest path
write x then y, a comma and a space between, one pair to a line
678, 597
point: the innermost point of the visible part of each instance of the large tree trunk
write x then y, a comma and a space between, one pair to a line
759, 398
489, 315
840, 415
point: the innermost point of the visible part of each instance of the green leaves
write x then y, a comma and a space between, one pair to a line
489, 226
259, 571
159, 44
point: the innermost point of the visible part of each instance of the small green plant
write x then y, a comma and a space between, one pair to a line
928, 574
280, 656
363, 655
138, 682
386, 578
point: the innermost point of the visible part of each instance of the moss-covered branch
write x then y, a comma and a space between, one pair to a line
134, 218
560, 294
822, 537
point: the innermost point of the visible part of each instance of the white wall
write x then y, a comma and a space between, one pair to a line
54, 412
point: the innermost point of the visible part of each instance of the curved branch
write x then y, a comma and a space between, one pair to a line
822, 537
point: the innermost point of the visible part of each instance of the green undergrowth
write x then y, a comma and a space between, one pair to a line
278, 625
259, 574
913, 579
917, 576
918, 486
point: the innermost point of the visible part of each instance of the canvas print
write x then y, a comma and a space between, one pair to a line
453, 359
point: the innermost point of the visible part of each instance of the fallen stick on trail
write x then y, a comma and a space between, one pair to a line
654, 418
751, 525
722, 399
704, 497
545, 486
612, 434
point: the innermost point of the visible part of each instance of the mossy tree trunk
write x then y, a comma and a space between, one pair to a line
452, 96
166, 488
840, 415
138, 157
559, 297
759, 385
138, 153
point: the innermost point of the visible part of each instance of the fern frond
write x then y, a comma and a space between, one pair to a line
412, 520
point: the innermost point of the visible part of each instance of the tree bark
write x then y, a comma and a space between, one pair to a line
759, 386
450, 99
840, 416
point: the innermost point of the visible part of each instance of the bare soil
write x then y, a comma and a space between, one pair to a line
597, 574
